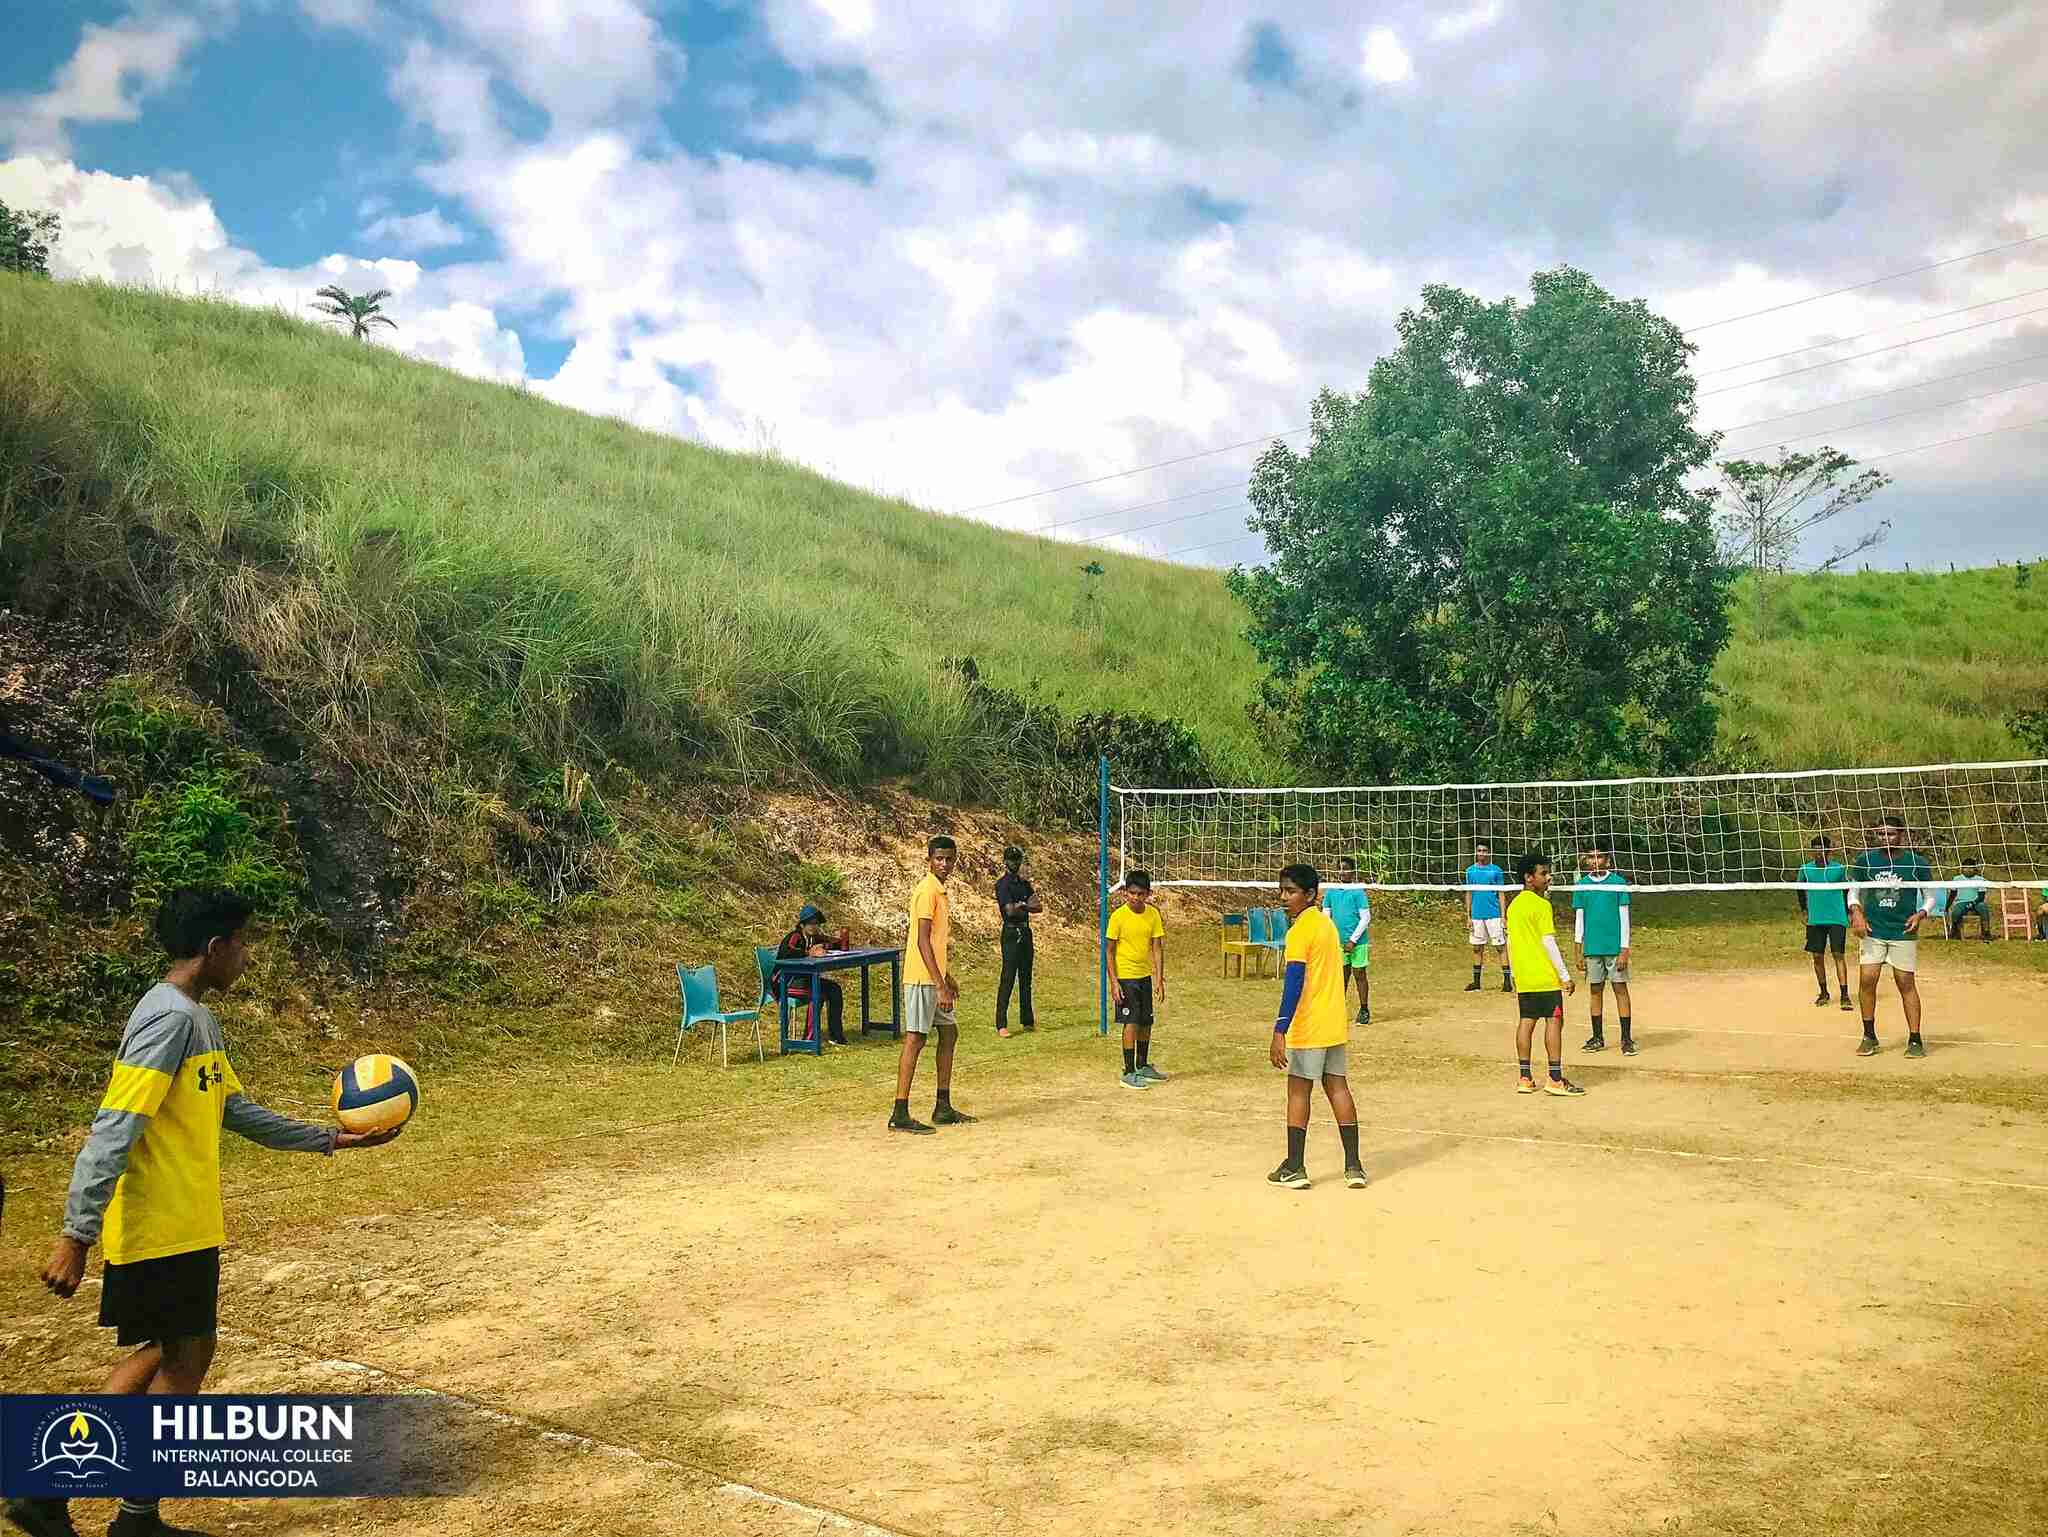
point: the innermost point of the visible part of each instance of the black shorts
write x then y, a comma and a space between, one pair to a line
1136, 1009
153, 1300
1541, 1005
1826, 936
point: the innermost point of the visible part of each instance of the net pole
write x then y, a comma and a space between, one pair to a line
1101, 893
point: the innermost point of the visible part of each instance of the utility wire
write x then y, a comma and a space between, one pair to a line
1855, 357
1828, 432
1843, 341
1773, 309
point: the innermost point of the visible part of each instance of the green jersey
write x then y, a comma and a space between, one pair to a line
1888, 887
1601, 922
1825, 906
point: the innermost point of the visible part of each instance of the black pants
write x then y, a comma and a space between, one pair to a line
832, 1005
1957, 914
1017, 972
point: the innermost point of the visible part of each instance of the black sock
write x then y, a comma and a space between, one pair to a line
1870, 1029
1297, 1146
1624, 1027
1912, 1035
1475, 972
1144, 1050
1507, 977
945, 1098
1130, 1060
1557, 1072
1525, 1067
1597, 1027
1348, 1135
902, 1110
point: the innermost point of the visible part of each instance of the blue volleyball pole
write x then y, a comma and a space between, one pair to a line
1102, 891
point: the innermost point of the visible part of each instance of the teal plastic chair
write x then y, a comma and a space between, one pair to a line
1276, 935
764, 957
700, 1007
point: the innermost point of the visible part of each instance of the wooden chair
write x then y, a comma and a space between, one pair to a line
2016, 912
1240, 946
700, 1007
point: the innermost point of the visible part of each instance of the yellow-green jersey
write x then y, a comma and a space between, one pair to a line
147, 1181
1132, 933
1530, 922
1320, 1015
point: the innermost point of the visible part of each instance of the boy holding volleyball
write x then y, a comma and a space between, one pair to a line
146, 1185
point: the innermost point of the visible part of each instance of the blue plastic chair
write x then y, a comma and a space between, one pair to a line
700, 1007
764, 957
1276, 935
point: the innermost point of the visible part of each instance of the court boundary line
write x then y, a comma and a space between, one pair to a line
827, 1518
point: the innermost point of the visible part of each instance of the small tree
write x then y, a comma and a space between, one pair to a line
356, 311
1767, 510
26, 239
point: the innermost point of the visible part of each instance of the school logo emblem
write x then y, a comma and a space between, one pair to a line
79, 1446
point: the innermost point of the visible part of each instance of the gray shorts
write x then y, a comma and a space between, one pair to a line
1601, 968
921, 1009
1313, 1062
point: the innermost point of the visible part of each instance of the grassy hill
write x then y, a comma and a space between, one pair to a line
410, 561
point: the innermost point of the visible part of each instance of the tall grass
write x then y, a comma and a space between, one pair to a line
415, 564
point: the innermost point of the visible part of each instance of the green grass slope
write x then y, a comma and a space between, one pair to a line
406, 555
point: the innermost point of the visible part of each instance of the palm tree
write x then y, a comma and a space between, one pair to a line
356, 311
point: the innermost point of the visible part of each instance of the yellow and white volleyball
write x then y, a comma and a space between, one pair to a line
375, 1093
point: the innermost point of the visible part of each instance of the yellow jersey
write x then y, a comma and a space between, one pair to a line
1132, 933
1320, 1015
1530, 919
929, 900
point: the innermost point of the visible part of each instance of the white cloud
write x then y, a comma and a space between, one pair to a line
580, 63
1383, 60
345, 15
426, 231
851, 18
154, 233
1462, 24
104, 81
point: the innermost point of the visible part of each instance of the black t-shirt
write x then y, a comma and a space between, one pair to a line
1012, 888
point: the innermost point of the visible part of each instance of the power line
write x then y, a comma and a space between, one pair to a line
1076, 485
1857, 400
1208, 453
1843, 341
1856, 357
1115, 512
1162, 523
1827, 432
1897, 453
1889, 277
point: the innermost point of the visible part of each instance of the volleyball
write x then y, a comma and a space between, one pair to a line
375, 1093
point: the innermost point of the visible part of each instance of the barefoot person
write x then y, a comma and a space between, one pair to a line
929, 991
146, 1185
1310, 1035
1543, 980
1886, 904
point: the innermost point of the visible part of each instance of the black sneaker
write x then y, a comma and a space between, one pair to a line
1594, 1043
1289, 1176
1472, 987
127, 1524
1356, 1177
1628, 1046
1845, 1003
1822, 1001
1867, 1047
1364, 1017
905, 1123
1507, 984
41, 1518
946, 1115
1915, 1048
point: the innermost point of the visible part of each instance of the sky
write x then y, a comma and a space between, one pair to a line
965, 254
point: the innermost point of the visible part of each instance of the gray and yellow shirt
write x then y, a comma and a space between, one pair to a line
147, 1181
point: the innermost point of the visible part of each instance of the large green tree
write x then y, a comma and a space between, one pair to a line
27, 236
1490, 563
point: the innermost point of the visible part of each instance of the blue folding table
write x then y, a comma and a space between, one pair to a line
814, 967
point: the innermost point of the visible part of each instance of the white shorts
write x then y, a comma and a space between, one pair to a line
1489, 931
921, 1011
1899, 954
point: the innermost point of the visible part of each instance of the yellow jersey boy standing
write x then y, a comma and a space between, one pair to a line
1314, 1026
146, 1185
1541, 977
1134, 954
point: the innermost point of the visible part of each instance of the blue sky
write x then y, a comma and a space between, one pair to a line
961, 254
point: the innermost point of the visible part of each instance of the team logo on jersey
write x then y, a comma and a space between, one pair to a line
203, 1071
79, 1446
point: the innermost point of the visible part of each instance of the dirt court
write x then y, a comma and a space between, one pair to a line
1090, 1313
